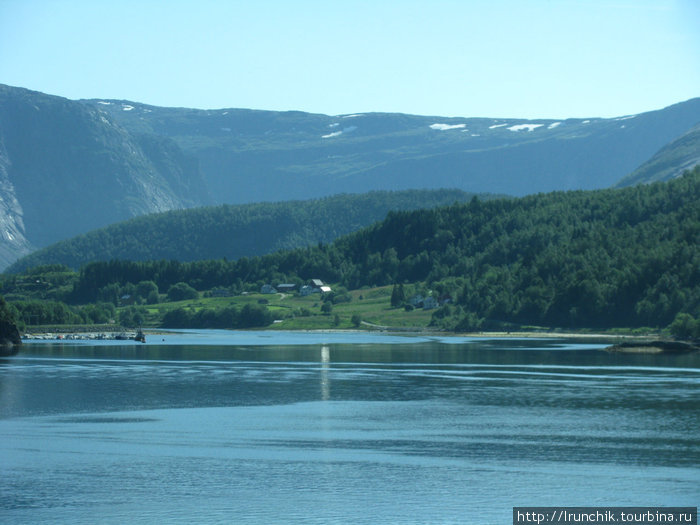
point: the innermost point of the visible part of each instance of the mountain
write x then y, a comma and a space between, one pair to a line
669, 162
252, 156
234, 231
67, 168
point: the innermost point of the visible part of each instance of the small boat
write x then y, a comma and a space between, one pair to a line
140, 336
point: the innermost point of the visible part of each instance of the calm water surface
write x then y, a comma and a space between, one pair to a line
269, 427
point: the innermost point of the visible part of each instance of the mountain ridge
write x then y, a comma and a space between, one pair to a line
68, 167
302, 155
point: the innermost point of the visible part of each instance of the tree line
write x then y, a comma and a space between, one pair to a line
234, 231
606, 258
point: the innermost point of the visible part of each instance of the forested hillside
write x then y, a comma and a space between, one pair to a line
627, 257
232, 232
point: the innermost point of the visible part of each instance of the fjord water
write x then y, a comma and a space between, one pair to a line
267, 427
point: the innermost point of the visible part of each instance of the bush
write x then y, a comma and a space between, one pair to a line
178, 318
469, 323
253, 315
181, 292
685, 326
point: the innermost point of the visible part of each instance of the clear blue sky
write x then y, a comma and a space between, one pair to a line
468, 58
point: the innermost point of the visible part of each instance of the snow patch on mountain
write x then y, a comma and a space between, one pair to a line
497, 126
522, 127
348, 129
554, 125
445, 127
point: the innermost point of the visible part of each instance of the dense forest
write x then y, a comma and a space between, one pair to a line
609, 258
234, 231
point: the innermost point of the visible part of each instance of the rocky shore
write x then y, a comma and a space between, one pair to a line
77, 336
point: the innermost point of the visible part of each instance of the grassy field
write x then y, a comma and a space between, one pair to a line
294, 312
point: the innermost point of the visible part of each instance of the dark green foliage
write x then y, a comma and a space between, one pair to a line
132, 317
250, 316
685, 326
34, 312
181, 292
235, 231
398, 296
100, 313
8, 313
606, 258
147, 290
46, 312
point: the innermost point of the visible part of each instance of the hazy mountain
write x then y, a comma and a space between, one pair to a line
234, 231
67, 168
251, 156
669, 162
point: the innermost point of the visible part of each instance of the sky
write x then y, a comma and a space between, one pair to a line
451, 58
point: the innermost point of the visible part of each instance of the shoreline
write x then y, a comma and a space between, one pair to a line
616, 343
129, 333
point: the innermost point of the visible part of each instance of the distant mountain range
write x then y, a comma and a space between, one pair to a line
252, 156
68, 167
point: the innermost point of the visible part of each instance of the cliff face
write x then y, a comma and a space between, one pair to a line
67, 168
13, 242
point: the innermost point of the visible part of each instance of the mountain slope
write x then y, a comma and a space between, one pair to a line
234, 231
669, 162
66, 168
249, 155
605, 258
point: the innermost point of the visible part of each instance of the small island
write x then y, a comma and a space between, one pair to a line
654, 347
